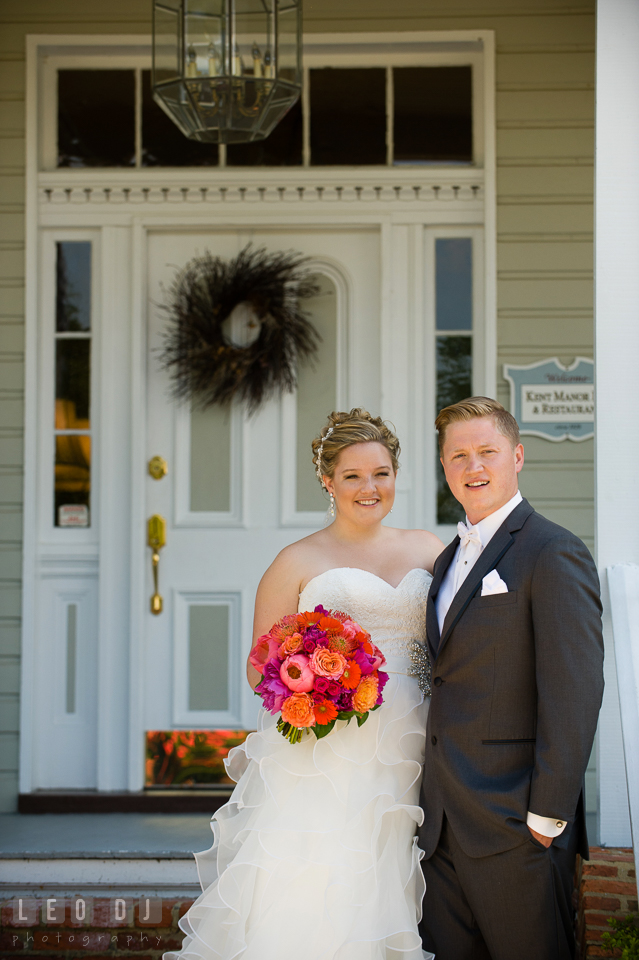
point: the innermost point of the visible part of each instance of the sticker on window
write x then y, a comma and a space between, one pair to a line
73, 515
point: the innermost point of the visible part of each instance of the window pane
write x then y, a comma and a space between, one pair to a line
282, 148
433, 120
316, 393
72, 384
163, 145
454, 383
73, 286
208, 657
348, 116
211, 459
96, 118
454, 283
72, 480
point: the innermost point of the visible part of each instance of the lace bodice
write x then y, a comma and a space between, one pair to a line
395, 617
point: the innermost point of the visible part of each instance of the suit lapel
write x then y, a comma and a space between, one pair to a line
442, 564
487, 561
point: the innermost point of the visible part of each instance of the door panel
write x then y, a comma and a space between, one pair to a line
239, 489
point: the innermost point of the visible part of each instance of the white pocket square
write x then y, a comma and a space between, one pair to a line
492, 583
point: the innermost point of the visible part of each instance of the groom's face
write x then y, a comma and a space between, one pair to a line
481, 466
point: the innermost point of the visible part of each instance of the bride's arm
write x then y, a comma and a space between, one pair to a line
277, 595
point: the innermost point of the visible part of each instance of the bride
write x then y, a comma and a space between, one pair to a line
315, 853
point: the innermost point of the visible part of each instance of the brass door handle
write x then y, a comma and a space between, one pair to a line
156, 539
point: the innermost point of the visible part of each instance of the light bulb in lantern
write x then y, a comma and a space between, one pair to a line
191, 67
238, 66
214, 61
257, 60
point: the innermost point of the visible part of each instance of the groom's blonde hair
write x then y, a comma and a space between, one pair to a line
474, 407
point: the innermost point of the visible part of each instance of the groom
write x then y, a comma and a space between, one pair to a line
514, 635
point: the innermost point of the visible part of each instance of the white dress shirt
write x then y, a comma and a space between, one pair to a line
486, 528
460, 566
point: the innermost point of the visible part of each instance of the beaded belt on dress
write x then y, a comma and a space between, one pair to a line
416, 664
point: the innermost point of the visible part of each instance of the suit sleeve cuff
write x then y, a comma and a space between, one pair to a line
546, 826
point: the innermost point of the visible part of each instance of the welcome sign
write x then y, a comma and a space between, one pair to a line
552, 401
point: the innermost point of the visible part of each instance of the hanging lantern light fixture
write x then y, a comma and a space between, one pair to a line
226, 71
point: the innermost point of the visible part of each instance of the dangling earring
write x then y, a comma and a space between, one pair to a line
330, 513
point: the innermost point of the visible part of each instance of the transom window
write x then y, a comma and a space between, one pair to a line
390, 115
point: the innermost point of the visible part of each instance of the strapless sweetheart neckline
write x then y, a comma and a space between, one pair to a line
362, 570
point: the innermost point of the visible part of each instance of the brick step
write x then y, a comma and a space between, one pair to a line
605, 886
144, 801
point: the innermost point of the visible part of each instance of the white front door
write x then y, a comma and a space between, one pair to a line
238, 489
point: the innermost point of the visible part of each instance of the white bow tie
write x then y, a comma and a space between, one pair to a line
468, 535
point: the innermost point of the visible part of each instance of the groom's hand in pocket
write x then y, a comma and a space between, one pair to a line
546, 841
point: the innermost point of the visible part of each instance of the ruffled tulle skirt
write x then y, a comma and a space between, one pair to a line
315, 854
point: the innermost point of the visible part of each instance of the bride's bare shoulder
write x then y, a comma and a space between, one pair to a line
294, 559
423, 545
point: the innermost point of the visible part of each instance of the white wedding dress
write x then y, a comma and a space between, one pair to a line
315, 854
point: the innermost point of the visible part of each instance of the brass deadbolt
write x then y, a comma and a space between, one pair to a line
158, 467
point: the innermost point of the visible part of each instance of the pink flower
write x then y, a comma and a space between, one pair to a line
350, 629
378, 657
265, 649
296, 673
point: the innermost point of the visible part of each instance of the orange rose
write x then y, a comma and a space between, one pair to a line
298, 710
328, 663
290, 645
365, 697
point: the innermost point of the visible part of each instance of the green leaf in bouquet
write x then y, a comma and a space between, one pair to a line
346, 715
323, 729
361, 718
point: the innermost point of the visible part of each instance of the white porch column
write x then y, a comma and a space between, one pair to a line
617, 358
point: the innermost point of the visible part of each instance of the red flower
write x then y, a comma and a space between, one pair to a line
325, 711
351, 676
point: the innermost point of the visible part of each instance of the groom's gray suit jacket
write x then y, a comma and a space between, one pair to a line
517, 682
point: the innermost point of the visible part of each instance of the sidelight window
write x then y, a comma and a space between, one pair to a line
72, 416
453, 343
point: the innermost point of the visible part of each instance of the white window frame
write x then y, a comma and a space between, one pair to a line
477, 336
48, 532
319, 51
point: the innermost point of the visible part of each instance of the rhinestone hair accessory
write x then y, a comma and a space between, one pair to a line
318, 471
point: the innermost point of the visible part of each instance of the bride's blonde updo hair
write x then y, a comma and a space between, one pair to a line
343, 430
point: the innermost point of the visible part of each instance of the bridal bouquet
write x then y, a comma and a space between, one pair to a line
318, 668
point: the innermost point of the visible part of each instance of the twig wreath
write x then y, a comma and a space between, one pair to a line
206, 366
